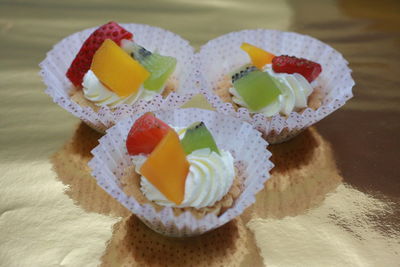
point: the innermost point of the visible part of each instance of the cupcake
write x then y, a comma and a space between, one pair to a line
178, 173
206, 182
111, 69
117, 70
279, 82
272, 85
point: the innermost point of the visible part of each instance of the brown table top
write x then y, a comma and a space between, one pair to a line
364, 135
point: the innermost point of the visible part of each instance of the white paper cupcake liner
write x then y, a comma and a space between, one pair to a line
240, 138
222, 55
58, 60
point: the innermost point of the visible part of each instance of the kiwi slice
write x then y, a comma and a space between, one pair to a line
197, 136
257, 88
160, 67
241, 72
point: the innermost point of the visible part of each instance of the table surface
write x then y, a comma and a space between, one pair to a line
364, 135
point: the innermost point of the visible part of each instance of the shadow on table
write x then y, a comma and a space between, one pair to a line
133, 243
70, 165
305, 172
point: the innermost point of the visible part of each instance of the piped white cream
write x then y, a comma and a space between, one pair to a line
100, 95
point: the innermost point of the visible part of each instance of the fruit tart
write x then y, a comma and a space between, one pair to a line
280, 82
183, 172
179, 167
272, 84
104, 74
112, 69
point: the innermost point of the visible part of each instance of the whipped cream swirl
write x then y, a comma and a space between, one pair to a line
295, 90
100, 95
208, 181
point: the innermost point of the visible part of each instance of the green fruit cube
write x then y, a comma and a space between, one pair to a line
257, 89
197, 136
160, 68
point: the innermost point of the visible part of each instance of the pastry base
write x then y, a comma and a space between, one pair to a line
131, 186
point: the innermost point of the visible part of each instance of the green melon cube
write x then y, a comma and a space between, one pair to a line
257, 89
160, 68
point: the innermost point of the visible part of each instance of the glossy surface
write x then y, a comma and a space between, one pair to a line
356, 224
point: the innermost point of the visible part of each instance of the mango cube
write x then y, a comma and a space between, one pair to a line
117, 70
167, 167
259, 57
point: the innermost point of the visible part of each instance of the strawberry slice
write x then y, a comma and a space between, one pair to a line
145, 134
81, 64
287, 64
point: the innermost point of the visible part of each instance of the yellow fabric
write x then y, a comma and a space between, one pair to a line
340, 232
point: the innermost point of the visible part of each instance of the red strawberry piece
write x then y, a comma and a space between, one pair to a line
145, 134
287, 64
81, 64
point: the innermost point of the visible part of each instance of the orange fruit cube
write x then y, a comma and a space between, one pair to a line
259, 57
117, 70
167, 167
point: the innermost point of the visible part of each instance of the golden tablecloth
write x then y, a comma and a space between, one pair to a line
333, 199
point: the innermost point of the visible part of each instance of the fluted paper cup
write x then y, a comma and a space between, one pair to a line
222, 55
58, 60
246, 145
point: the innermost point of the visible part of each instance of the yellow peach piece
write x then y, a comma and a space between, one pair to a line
167, 167
259, 57
117, 70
